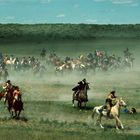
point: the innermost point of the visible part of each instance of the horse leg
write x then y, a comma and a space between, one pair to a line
73, 103
119, 122
99, 120
15, 114
93, 113
5, 101
18, 114
85, 105
73, 100
79, 104
117, 125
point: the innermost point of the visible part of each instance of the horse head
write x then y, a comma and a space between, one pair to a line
122, 102
87, 86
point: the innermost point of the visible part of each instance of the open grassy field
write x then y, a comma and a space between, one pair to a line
48, 112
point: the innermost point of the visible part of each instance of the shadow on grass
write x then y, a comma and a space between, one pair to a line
24, 119
87, 108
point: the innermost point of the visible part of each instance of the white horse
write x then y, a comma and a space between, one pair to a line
114, 113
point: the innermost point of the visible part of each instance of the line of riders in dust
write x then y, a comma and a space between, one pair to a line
13, 98
83, 64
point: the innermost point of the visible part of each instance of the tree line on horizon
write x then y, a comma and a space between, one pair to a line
46, 32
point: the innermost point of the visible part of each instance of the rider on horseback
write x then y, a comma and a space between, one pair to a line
109, 102
16, 93
80, 86
8, 86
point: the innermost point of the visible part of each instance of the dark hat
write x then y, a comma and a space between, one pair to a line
8, 81
112, 92
84, 80
16, 87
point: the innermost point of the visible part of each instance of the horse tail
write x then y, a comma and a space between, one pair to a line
93, 113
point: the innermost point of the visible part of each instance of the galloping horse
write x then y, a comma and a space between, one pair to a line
114, 113
15, 105
82, 96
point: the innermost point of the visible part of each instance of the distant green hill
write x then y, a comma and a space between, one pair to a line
45, 32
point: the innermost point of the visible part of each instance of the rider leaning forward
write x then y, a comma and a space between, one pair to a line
109, 102
10, 88
80, 86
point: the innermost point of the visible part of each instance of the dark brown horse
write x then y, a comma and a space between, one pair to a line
82, 96
15, 106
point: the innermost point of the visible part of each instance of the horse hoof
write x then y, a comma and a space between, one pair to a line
102, 127
73, 105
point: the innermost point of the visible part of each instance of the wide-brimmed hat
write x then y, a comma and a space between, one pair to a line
8, 81
112, 92
84, 80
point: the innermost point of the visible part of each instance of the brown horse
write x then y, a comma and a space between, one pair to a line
15, 106
82, 96
114, 113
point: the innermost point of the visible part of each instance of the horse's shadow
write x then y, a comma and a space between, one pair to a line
87, 108
23, 119
113, 128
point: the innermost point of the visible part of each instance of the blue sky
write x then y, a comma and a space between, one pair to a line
70, 11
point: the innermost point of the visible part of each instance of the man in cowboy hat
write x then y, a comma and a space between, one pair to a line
7, 85
79, 87
109, 102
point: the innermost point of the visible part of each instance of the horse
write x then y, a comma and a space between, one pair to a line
128, 63
15, 106
114, 113
82, 96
